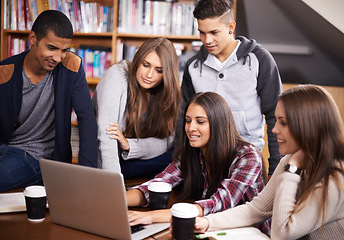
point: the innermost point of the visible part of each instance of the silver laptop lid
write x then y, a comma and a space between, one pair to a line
88, 199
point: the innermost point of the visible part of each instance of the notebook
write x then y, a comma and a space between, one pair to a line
90, 199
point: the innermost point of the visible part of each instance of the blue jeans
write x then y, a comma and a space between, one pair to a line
18, 169
136, 168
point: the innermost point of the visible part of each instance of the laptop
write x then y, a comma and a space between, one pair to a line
91, 200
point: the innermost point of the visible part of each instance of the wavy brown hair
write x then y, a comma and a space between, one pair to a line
220, 150
157, 116
315, 124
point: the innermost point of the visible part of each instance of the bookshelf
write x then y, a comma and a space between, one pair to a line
128, 29
128, 23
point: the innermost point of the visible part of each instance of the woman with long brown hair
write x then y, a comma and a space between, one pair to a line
137, 106
305, 195
216, 167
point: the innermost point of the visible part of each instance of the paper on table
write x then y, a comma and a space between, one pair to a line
12, 202
245, 233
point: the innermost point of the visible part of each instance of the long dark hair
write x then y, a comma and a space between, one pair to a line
314, 122
220, 149
158, 116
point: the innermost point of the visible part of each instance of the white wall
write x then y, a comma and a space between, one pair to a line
332, 10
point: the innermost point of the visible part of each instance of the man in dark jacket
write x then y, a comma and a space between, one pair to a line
38, 90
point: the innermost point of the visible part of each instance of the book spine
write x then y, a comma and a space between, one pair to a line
28, 21
96, 64
88, 16
21, 18
94, 16
140, 17
105, 19
80, 22
119, 50
72, 15
110, 21
14, 12
108, 59
102, 62
76, 17
65, 7
16, 46
89, 58
100, 18
84, 16
147, 15
120, 22
155, 17
59, 5
6, 8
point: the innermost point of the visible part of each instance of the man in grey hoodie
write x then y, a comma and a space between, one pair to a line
238, 69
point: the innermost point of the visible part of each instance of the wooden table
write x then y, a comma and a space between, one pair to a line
15, 226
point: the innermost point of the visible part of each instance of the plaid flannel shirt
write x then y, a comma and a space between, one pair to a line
245, 181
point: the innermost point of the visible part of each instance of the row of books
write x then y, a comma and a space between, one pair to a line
95, 60
124, 51
87, 17
156, 17
17, 45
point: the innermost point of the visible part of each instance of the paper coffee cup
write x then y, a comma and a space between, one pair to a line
183, 220
35, 199
159, 193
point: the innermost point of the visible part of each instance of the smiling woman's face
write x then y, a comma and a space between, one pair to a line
197, 127
286, 142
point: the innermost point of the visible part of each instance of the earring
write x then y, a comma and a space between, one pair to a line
230, 32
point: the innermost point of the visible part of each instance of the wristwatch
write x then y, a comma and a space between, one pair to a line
292, 169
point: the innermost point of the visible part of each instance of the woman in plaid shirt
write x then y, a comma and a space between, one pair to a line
216, 166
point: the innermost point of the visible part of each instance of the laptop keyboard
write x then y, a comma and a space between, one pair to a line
136, 228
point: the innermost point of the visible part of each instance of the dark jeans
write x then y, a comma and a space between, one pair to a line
18, 169
135, 168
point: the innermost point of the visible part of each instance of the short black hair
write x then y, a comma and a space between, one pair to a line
55, 21
212, 8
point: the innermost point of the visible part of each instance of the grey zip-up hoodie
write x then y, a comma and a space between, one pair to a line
250, 83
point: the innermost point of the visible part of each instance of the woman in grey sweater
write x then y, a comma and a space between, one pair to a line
305, 195
136, 107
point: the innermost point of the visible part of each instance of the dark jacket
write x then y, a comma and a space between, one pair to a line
71, 92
